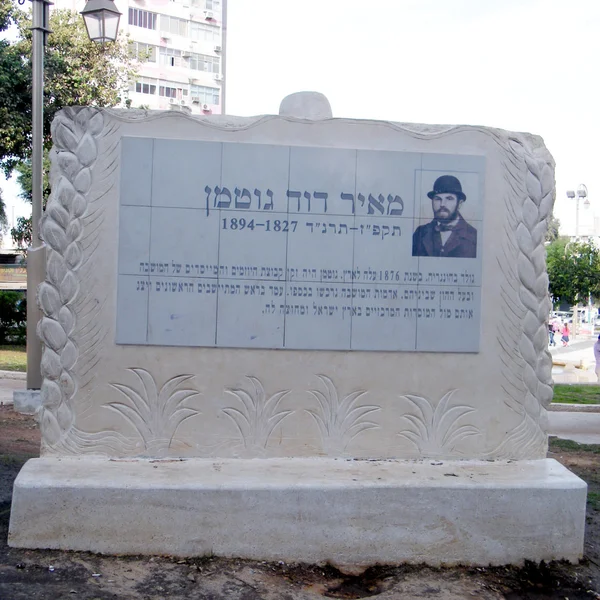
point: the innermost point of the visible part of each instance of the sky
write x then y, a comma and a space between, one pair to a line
520, 65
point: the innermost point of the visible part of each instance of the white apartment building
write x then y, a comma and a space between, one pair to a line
181, 45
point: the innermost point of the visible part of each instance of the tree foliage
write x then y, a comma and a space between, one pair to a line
77, 72
573, 271
553, 227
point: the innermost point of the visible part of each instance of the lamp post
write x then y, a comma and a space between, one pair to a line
101, 19
36, 253
582, 192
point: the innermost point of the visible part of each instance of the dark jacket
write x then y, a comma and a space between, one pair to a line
462, 242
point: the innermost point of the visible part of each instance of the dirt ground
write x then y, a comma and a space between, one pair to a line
53, 575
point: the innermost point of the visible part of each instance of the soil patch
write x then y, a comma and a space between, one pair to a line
53, 575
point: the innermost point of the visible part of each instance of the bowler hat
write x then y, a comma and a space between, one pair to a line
447, 184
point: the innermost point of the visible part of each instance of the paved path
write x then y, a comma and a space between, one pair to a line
577, 426
577, 353
7, 386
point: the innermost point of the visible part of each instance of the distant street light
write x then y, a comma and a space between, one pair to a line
582, 192
101, 18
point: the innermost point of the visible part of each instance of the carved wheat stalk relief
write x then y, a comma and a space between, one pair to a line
155, 414
256, 416
437, 430
340, 421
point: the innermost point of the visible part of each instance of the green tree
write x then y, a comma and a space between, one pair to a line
77, 72
21, 233
573, 271
553, 227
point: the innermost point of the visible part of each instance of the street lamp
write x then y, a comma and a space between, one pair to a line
101, 19
582, 192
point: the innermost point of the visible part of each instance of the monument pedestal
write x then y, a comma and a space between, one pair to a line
351, 512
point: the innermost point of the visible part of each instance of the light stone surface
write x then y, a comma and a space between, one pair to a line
313, 510
306, 105
119, 383
27, 402
263, 408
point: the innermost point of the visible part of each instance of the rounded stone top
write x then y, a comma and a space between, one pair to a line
306, 105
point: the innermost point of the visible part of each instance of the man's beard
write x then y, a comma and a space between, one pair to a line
445, 216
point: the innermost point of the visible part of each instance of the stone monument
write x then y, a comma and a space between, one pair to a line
296, 337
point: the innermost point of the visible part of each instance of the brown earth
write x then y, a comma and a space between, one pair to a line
53, 575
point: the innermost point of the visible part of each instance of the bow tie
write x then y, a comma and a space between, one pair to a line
445, 226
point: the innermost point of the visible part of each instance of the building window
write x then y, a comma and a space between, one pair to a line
142, 52
145, 86
142, 18
167, 91
204, 95
204, 33
203, 62
173, 25
212, 4
169, 57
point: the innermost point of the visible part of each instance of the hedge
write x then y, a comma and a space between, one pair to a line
13, 318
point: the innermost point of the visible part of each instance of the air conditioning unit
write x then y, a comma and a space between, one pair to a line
205, 107
218, 77
185, 54
165, 36
196, 99
182, 102
208, 15
217, 49
172, 101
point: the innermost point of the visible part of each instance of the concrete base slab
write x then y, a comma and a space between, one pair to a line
27, 402
347, 512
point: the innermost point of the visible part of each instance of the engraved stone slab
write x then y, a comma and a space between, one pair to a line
263, 246
273, 287
221, 289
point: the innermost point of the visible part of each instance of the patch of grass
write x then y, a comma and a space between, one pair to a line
13, 358
593, 499
576, 394
559, 444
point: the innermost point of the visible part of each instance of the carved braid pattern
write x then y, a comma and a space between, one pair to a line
524, 266
74, 132
531, 264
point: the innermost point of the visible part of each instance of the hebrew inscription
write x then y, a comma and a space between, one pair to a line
297, 247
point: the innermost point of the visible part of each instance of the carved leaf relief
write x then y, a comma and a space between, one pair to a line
436, 430
256, 416
155, 413
340, 421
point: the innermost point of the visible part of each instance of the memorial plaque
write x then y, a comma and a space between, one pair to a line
303, 290
263, 246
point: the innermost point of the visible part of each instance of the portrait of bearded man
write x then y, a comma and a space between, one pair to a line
448, 234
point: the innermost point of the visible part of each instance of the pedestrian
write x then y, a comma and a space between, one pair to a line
597, 357
551, 334
565, 335
556, 327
